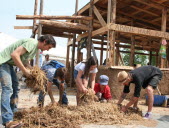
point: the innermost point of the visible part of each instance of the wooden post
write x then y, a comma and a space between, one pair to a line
131, 61
39, 31
34, 20
157, 60
117, 54
89, 42
101, 51
163, 29
150, 58
73, 51
111, 34
78, 52
67, 55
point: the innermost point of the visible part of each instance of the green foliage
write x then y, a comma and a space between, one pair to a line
138, 59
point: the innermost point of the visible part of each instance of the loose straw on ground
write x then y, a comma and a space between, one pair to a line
89, 112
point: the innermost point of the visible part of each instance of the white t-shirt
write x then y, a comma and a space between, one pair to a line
81, 66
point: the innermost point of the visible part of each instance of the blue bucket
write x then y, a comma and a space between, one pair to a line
158, 99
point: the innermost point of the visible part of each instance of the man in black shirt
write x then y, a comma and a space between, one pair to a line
146, 77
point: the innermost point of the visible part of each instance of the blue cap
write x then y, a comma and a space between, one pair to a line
104, 80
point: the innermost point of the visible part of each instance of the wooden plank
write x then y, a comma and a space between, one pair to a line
68, 25
86, 7
28, 17
23, 27
137, 31
34, 20
99, 16
143, 10
89, 43
94, 33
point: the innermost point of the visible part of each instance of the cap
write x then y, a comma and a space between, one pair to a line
104, 80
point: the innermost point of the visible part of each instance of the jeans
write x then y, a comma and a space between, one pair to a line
10, 90
42, 94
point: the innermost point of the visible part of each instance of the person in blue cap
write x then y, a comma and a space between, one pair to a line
102, 89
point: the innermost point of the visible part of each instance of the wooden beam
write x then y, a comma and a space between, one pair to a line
67, 25
86, 7
30, 17
138, 31
99, 16
143, 10
94, 33
23, 27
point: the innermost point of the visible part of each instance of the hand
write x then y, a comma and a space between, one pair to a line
27, 73
123, 109
84, 90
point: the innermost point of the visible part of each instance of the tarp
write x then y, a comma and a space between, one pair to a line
6, 40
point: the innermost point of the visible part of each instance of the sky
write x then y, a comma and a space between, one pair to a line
10, 8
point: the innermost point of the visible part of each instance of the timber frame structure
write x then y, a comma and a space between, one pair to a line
133, 24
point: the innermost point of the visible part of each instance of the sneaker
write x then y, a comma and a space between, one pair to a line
147, 116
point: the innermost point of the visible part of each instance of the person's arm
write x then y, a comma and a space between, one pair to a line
61, 90
93, 76
27, 65
49, 89
122, 97
135, 97
17, 60
79, 82
132, 101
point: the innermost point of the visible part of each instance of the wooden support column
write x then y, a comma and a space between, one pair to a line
101, 51
163, 29
39, 31
73, 51
111, 33
131, 61
150, 58
157, 60
117, 54
89, 43
78, 53
132, 50
67, 54
34, 20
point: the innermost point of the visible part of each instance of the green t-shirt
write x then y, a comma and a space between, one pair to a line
29, 44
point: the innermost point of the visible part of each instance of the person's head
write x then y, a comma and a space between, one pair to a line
46, 42
103, 80
90, 65
124, 78
60, 74
46, 57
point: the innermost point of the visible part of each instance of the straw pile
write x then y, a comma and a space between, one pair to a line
37, 80
74, 116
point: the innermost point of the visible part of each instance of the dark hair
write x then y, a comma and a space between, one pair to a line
90, 62
46, 55
49, 39
61, 73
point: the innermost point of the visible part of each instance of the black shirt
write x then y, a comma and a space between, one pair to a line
141, 77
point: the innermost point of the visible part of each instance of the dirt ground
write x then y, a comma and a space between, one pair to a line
160, 114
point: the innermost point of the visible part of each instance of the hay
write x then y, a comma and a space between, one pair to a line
37, 80
88, 98
74, 116
87, 112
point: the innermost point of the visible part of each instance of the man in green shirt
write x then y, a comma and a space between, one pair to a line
18, 55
